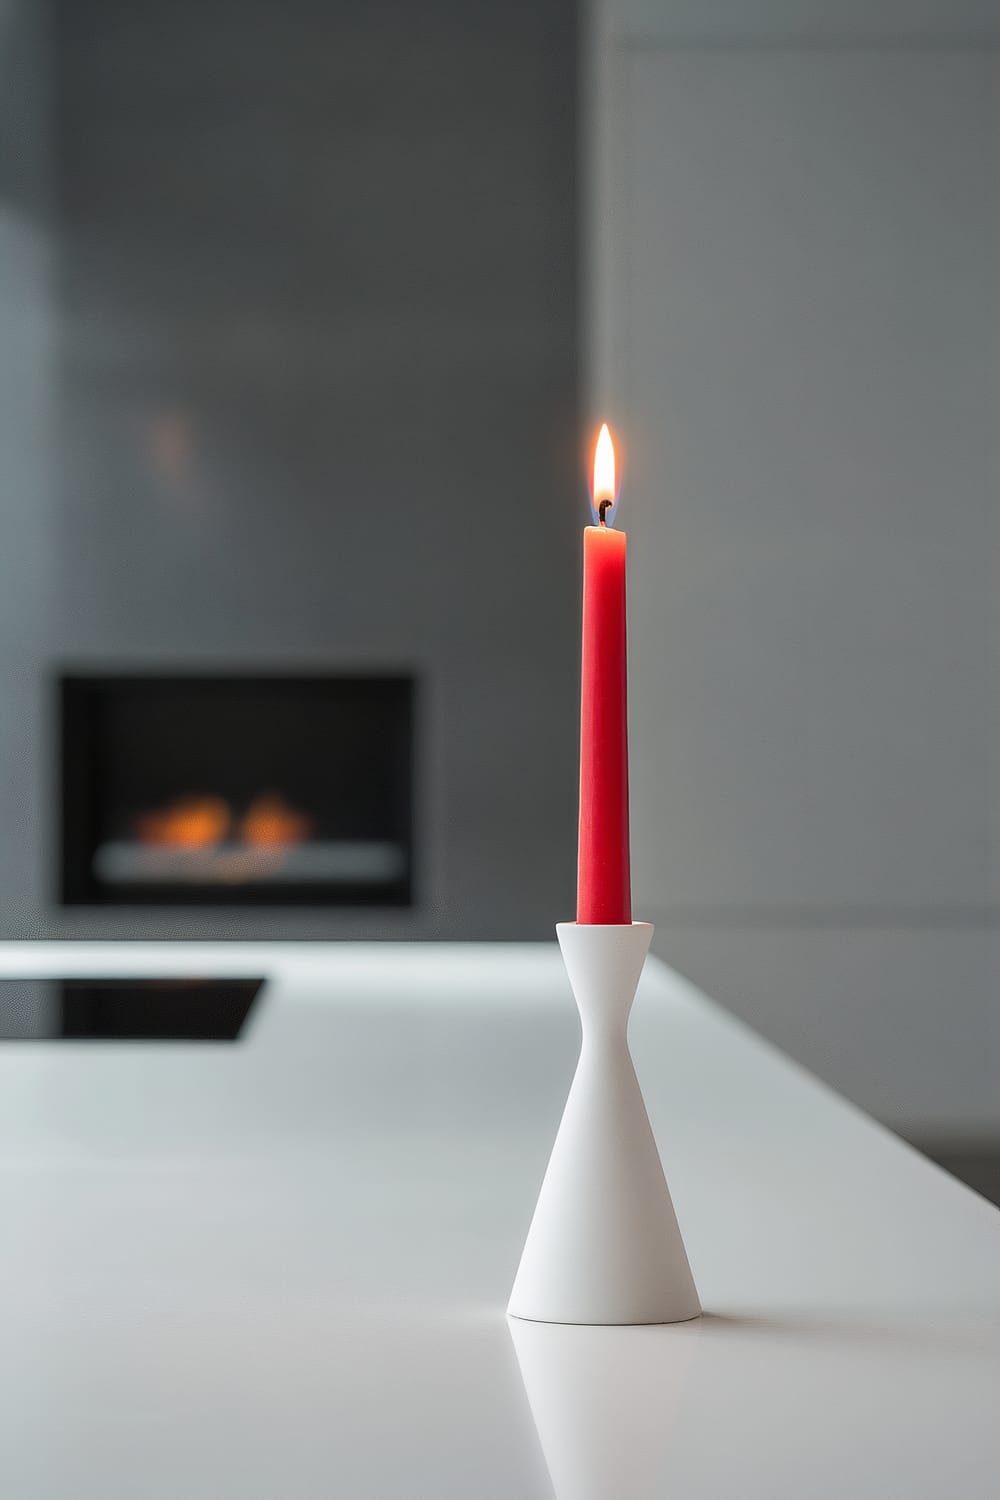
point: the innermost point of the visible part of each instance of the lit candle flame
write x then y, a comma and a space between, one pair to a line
604, 473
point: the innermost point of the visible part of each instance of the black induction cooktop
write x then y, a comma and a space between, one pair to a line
126, 1010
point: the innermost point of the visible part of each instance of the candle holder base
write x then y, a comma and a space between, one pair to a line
604, 1246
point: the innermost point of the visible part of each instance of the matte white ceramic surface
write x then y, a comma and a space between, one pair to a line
280, 1267
604, 1246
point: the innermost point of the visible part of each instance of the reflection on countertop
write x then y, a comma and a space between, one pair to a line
604, 1402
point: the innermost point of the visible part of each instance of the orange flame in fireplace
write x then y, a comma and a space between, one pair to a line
202, 822
188, 823
269, 820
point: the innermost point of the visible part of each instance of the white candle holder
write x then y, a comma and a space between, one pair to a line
604, 1246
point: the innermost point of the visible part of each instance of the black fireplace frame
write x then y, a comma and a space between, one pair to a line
78, 786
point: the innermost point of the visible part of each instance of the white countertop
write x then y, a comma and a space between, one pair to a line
279, 1268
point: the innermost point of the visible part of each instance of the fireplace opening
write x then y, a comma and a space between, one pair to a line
236, 790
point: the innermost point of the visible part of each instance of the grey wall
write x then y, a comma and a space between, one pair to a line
316, 276
793, 293
26, 293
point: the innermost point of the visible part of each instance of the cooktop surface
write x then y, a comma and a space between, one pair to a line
126, 1010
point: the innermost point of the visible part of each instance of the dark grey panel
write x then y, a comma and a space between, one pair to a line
317, 279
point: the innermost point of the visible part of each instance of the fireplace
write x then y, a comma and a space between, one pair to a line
236, 790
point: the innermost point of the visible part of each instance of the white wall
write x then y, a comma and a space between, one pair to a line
792, 291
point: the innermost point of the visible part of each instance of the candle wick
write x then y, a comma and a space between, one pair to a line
603, 509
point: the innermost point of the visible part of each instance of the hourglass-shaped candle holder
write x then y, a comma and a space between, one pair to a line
604, 1246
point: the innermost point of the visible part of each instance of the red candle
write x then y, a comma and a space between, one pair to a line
604, 893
